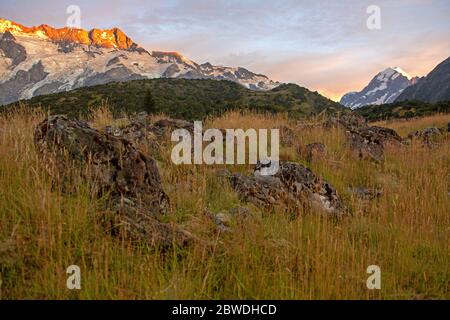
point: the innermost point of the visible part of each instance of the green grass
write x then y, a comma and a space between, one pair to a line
403, 110
180, 98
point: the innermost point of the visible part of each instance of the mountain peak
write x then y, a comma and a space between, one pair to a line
172, 57
390, 72
402, 72
52, 60
385, 87
109, 38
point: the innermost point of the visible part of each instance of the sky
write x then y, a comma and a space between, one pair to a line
324, 46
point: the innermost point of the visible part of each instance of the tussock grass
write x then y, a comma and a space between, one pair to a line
271, 256
404, 126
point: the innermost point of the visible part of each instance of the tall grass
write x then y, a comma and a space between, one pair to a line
270, 256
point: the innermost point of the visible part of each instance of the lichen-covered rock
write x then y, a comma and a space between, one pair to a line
287, 136
346, 121
293, 187
114, 167
427, 136
365, 193
367, 142
315, 150
164, 127
139, 134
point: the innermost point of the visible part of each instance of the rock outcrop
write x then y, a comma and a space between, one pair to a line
315, 150
428, 135
115, 168
164, 127
139, 133
367, 142
293, 187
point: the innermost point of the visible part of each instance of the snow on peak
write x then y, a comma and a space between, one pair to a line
391, 72
403, 72
6, 25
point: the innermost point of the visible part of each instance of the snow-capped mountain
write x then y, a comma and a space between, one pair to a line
42, 60
385, 87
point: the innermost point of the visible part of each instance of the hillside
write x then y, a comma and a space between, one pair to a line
403, 109
432, 88
188, 99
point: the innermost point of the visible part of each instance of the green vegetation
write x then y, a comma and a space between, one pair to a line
403, 109
188, 99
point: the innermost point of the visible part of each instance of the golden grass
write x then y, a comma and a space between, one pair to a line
273, 256
404, 127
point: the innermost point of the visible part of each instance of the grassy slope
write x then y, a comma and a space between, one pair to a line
405, 232
189, 99
403, 109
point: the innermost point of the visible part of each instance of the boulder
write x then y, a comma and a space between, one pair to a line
138, 134
114, 167
365, 193
163, 128
346, 121
367, 142
315, 150
427, 135
287, 136
224, 220
293, 187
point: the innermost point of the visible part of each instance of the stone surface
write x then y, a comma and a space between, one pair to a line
115, 168
427, 135
365, 193
367, 142
139, 133
287, 136
292, 187
163, 128
315, 150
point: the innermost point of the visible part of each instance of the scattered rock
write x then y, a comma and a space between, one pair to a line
138, 133
164, 127
115, 167
346, 122
427, 135
315, 150
368, 142
224, 219
365, 193
286, 136
292, 187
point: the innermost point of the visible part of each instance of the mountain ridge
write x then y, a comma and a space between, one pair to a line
434, 87
43, 60
383, 88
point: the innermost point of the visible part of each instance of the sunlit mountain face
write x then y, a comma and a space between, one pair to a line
385, 87
42, 60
